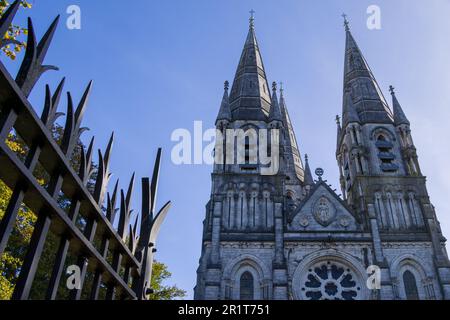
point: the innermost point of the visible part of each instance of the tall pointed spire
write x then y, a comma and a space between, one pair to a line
250, 95
225, 112
367, 97
309, 181
399, 115
291, 150
275, 112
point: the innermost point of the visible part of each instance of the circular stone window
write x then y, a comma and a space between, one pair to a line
329, 280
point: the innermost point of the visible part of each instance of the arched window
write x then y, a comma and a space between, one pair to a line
409, 281
247, 286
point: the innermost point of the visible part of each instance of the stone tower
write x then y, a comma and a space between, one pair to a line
284, 235
382, 183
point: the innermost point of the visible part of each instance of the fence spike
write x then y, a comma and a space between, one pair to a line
49, 113
72, 131
47, 105
145, 248
100, 178
56, 97
125, 211
136, 223
90, 170
31, 68
154, 185
111, 209
103, 175
46, 40
69, 126
86, 169
124, 216
133, 238
83, 104
108, 151
5, 22
145, 211
131, 243
30, 57
130, 189
83, 165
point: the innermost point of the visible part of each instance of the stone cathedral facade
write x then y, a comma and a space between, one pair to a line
290, 236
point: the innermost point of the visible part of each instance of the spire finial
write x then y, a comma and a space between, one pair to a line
338, 120
306, 157
346, 23
252, 18
281, 87
392, 90
274, 86
226, 85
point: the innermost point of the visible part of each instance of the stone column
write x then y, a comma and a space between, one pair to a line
213, 273
441, 261
386, 291
215, 236
280, 283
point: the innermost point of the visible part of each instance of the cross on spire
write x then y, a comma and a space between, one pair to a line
392, 90
346, 23
252, 18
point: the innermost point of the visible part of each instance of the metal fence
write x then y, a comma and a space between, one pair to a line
120, 260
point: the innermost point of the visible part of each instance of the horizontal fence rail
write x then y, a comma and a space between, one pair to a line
118, 258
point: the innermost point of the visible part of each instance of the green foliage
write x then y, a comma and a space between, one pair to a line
13, 44
12, 259
163, 292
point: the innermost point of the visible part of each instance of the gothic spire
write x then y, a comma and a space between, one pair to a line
309, 181
399, 115
250, 95
275, 112
369, 102
291, 151
225, 112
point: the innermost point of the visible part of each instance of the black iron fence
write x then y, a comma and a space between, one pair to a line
118, 260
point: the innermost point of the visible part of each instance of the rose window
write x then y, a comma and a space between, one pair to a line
330, 281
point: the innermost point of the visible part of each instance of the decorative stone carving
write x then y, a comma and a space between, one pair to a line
304, 221
324, 211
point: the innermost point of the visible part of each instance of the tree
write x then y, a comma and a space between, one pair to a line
13, 256
163, 292
11, 45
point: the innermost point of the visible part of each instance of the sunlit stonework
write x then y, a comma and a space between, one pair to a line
288, 236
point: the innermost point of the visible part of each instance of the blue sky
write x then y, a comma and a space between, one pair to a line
160, 65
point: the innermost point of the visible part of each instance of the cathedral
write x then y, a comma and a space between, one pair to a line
290, 236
